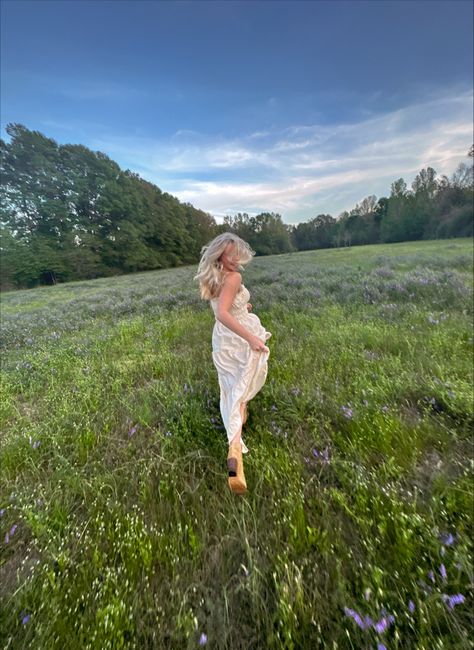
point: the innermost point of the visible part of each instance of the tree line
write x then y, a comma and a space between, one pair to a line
69, 213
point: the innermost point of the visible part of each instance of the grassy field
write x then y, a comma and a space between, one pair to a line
117, 526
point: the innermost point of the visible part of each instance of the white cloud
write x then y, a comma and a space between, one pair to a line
259, 134
304, 169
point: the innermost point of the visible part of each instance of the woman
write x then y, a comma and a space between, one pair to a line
239, 352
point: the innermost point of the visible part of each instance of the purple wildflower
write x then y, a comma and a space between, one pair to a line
323, 455
353, 614
384, 623
2, 512
13, 529
451, 601
347, 412
132, 431
203, 639
381, 625
411, 606
431, 576
381, 646
26, 618
442, 572
276, 428
7, 538
447, 539
363, 624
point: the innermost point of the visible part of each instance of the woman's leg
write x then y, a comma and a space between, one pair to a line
243, 409
235, 465
245, 415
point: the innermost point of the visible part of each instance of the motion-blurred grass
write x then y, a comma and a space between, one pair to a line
117, 526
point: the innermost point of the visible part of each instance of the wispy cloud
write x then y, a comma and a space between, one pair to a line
302, 170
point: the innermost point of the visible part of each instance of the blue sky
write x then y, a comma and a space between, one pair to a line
299, 108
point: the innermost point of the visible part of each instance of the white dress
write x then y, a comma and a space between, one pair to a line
241, 371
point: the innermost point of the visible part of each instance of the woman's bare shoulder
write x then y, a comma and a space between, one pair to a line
233, 278
230, 287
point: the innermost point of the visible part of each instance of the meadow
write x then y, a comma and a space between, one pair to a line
117, 527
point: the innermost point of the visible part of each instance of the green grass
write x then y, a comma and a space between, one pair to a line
113, 459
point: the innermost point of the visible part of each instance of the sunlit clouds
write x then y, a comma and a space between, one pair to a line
303, 170
299, 108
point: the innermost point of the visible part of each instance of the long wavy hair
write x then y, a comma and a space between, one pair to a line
210, 275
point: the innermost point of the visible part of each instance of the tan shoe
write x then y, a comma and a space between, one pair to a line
235, 468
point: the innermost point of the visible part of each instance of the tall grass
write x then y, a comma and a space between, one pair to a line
117, 526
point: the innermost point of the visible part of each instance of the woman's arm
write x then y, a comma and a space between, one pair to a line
226, 298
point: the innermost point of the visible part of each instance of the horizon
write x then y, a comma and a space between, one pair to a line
222, 105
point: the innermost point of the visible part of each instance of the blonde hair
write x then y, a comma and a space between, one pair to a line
209, 273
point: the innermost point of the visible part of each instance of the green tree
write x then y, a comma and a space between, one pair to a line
315, 233
397, 214
75, 214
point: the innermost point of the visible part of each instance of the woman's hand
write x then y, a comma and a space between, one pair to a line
257, 344
249, 306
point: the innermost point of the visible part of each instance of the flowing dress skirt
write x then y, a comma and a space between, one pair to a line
241, 371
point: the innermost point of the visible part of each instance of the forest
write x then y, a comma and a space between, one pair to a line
69, 213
